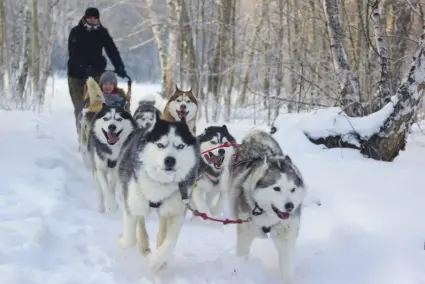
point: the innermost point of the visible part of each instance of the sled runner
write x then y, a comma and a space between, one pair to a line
123, 98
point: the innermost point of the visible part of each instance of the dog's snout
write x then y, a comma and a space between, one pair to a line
170, 162
112, 127
147, 125
221, 152
183, 107
289, 206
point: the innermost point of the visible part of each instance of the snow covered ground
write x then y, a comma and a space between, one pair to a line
369, 229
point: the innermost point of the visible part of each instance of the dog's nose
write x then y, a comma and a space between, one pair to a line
170, 162
221, 152
289, 206
112, 127
147, 125
183, 107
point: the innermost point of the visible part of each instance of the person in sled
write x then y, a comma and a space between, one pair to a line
85, 45
113, 95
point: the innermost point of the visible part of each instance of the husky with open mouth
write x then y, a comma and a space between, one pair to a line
153, 168
182, 106
110, 129
211, 168
267, 190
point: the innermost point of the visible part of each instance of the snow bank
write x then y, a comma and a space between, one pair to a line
333, 122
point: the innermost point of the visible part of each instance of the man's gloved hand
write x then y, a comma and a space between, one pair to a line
121, 72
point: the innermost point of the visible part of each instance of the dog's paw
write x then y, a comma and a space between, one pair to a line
154, 262
125, 242
146, 252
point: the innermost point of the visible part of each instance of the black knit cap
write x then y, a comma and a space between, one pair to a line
91, 12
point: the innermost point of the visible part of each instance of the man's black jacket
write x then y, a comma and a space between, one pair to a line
85, 51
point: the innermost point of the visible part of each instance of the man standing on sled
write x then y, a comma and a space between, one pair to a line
85, 44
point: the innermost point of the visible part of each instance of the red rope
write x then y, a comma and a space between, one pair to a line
224, 145
225, 221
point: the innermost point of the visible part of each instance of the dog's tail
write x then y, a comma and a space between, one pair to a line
148, 99
95, 95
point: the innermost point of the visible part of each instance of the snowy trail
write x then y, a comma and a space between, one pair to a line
369, 228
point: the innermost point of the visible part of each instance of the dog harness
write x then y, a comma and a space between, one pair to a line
155, 204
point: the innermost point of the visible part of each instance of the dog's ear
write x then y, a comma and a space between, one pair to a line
177, 89
224, 126
190, 90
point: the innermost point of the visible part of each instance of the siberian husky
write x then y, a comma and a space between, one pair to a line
146, 113
266, 188
110, 128
211, 168
182, 106
155, 169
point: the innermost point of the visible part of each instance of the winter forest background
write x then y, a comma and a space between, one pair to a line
263, 57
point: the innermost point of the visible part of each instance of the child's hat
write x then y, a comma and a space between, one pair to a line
108, 77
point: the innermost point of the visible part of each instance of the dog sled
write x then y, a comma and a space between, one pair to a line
111, 99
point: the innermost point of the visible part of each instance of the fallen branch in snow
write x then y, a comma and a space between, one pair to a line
389, 134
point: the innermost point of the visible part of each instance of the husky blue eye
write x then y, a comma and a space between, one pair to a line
293, 190
118, 119
181, 146
213, 142
160, 145
276, 188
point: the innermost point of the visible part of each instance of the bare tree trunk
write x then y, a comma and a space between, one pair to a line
158, 32
251, 52
22, 73
173, 38
187, 38
219, 55
2, 47
385, 94
231, 75
279, 71
46, 60
350, 96
403, 20
35, 52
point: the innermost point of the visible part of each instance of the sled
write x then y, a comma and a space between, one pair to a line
123, 94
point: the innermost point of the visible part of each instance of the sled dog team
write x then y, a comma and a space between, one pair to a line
155, 159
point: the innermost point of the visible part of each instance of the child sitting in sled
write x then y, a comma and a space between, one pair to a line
113, 96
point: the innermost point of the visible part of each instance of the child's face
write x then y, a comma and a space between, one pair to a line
108, 87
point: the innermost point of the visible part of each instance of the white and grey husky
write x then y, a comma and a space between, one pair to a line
156, 169
146, 112
211, 168
266, 188
110, 128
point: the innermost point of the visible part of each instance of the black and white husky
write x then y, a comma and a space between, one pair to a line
153, 168
109, 129
211, 168
146, 113
266, 188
